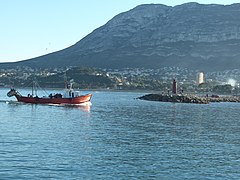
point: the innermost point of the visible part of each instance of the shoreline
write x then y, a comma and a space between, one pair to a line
100, 89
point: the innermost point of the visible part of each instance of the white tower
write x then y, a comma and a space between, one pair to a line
200, 78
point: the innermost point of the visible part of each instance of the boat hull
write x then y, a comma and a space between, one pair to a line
36, 100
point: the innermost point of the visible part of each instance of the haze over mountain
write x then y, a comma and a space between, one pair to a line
192, 35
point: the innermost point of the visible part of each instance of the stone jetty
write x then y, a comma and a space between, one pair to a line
185, 98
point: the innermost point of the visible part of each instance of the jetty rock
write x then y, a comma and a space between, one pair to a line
186, 98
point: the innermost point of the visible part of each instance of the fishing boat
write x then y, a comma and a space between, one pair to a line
69, 97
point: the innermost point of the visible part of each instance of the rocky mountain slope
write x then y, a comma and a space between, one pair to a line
192, 35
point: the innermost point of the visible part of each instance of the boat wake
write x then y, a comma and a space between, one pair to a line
73, 105
86, 107
10, 102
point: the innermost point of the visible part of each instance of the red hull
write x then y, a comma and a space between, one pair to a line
75, 100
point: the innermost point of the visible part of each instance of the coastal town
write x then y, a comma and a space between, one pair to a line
189, 81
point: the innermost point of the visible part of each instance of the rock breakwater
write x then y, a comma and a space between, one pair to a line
180, 98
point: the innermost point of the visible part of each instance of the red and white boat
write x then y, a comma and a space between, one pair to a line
69, 97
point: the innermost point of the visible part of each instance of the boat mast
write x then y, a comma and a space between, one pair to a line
65, 80
34, 88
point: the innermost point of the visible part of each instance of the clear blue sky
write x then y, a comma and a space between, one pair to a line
30, 28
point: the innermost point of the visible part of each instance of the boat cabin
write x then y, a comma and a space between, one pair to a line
69, 93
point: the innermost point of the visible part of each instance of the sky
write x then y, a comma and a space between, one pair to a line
31, 28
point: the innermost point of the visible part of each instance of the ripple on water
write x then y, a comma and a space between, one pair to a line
120, 137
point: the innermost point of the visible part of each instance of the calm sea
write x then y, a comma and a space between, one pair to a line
119, 137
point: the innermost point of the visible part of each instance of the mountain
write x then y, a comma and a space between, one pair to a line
191, 35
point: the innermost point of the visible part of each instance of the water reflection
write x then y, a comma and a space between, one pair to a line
86, 108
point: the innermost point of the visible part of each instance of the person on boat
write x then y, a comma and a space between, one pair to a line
50, 96
58, 95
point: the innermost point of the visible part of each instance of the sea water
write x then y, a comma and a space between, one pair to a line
119, 137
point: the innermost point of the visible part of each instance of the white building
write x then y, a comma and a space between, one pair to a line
200, 78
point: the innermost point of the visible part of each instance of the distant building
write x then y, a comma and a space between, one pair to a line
200, 78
